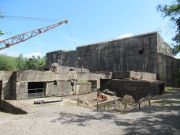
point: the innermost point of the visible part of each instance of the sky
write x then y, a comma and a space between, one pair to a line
90, 21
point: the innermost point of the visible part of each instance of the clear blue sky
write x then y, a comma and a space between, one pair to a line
89, 20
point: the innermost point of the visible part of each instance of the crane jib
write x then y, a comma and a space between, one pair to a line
27, 35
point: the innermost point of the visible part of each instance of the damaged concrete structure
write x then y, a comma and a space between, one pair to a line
142, 53
136, 84
66, 81
60, 81
126, 66
6, 84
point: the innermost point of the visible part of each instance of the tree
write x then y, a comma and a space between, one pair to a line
7, 63
21, 63
173, 11
35, 63
1, 33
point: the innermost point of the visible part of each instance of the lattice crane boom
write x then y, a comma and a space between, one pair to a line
27, 35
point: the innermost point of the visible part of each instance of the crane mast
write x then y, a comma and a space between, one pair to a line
27, 35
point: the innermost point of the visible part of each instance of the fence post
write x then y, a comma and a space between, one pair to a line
97, 105
149, 99
139, 105
78, 102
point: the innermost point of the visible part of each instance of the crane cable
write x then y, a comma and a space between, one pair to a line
71, 35
26, 18
39, 19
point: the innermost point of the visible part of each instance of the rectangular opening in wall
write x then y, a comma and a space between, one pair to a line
94, 85
36, 89
0, 89
104, 84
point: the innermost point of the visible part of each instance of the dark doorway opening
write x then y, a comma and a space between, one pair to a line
141, 51
36, 89
94, 85
0, 89
104, 84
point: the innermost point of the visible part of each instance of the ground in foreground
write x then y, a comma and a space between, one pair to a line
163, 117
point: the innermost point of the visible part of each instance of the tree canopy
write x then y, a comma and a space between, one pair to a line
173, 11
21, 63
1, 33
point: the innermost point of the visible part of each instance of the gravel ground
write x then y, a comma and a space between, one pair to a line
65, 119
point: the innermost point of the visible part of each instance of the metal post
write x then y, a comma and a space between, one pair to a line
77, 101
139, 105
97, 105
149, 99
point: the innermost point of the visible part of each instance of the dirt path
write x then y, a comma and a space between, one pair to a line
163, 117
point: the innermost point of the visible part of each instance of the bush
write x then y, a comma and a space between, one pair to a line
9, 63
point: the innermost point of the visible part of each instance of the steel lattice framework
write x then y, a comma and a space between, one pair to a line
27, 35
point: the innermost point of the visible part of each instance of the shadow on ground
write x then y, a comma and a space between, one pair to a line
161, 119
9, 108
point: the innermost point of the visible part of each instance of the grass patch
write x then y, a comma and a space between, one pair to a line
171, 89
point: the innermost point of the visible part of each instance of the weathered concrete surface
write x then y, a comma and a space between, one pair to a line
62, 88
139, 53
82, 88
136, 88
134, 75
136, 53
57, 82
44, 76
162, 47
168, 70
6, 77
36, 76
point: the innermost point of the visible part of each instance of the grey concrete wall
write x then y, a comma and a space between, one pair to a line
63, 58
163, 47
135, 88
36, 76
168, 70
62, 79
45, 76
62, 88
138, 53
82, 88
7, 90
21, 90
134, 75
135, 53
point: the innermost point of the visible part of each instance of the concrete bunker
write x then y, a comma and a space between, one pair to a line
142, 53
36, 89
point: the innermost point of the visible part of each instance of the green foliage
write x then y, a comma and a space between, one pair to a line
173, 11
35, 63
21, 63
7, 63
1, 33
